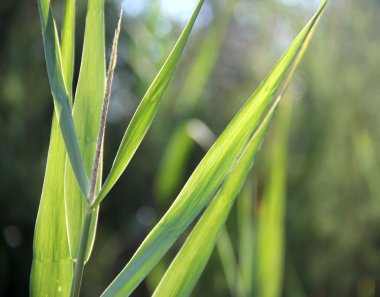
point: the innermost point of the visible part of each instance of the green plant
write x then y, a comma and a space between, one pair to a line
73, 188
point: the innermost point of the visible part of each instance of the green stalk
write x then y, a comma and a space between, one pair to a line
79, 266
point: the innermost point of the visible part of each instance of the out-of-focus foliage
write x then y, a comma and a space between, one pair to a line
333, 206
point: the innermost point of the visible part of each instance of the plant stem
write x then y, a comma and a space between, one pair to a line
79, 266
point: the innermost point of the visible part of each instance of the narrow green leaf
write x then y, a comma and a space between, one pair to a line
209, 174
68, 44
204, 63
246, 235
60, 94
146, 111
52, 267
271, 217
171, 172
230, 266
186, 268
86, 114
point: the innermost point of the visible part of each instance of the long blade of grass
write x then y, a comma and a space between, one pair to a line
176, 154
246, 235
230, 266
90, 214
86, 115
209, 174
146, 111
186, 268
52, 268
60, 94
271, 217
204, 63
68, 44
171, 171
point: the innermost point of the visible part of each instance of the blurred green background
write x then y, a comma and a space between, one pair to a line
333, 174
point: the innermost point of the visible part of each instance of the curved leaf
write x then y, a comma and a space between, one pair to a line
186, 268
269, 248
209, 174
60, 95
52, 267
86, 114
146, 111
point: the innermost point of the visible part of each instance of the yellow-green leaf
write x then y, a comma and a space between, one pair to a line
60, 95
86, 113
68, 44
186, 268
209, 174
269, 249
146, 111
52, 268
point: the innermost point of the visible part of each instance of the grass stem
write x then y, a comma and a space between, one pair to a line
79, 266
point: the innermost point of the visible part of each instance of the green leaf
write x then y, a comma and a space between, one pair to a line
204, 63
86, 114
246, 235
52, 268
60, 94
209, 174
146, 111
171, 172
269, 260
68, 44
230, 266
186, 268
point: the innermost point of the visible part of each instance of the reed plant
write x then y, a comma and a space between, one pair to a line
73, 188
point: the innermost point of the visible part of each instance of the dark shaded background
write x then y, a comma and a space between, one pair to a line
333, 213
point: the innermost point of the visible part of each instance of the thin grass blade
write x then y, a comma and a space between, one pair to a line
271, 217
186, 268
52, 268
230, 266
147, 109
86, 115
204, 63
60, 95
176, 154
68, 44
209, 174
171, 172
246, 235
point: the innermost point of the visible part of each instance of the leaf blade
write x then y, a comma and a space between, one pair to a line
186, 268
68, 44
209, 174
52, 268
86, 116
145, 113
269, 246
60, 95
